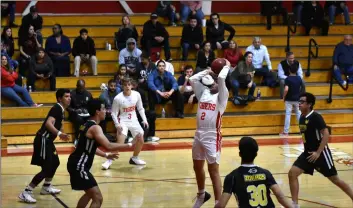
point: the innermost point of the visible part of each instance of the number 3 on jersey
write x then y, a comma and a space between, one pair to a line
203, 115
258, 195
129, 116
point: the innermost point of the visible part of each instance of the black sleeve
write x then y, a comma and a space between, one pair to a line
147, 35
165, 32
51, 66
92, 48
184, 36
40, 21
319, 122
229, 183
270, 180
75, 51
56, 112
208, 34
135, 34
231, 31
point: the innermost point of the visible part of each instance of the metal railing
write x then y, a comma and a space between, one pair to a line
289, 31
345, 88
311, 54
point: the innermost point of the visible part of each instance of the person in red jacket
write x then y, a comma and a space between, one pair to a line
233, 54
9, 89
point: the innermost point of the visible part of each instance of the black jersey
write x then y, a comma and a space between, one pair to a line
310, 127
82, 158
57, 112
251, 186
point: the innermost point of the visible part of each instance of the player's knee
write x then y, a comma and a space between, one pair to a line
139, 138
213, 168
334, 179
98, 198
292, 174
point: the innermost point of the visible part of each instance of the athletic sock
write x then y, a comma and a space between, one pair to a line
28, 188
47, 182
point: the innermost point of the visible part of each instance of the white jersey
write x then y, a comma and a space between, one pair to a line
124, 108
211, 106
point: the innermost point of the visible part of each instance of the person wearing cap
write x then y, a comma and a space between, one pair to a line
162, 88
84, 50
155, 35
130, 56
250, 178
34, 19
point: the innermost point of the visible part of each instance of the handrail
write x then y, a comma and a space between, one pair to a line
311, 54
289, 31
329, 99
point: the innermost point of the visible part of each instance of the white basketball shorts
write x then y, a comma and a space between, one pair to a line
207, 146
134, 127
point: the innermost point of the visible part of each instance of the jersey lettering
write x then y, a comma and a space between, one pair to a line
130, 109
207, 106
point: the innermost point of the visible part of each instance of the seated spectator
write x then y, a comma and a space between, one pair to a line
271, 8
204, 57
34, 19
144, 69
58, 47
168, 66
84, 50
120, 75
283, 71
215, 32
297, 11
166, 9
243, 77
233, 54
8, 46
333, 8
9, 89
193, 8
41, 68
107, 96
126, 31
192, 37
260, 53
78, 113
131, 57
292, 93
313, 15
155, 35
343, 60
8, 8
28, 48
162, 88
185, 86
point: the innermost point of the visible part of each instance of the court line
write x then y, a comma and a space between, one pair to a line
60, 201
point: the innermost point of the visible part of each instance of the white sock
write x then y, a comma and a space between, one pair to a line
29, 188
202, 191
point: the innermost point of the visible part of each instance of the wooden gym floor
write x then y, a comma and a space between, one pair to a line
168, 179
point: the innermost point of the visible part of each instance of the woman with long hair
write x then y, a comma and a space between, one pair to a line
204, 58
8, 46
126, 31
233, 54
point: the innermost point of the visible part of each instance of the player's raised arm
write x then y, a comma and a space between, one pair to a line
223, 93
280, 196
197, 86
115, 111
97, 133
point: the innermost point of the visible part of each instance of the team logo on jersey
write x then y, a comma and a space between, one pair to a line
302, 128
252, 170
306, 121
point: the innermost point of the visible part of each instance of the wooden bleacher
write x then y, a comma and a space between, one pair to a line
20, 124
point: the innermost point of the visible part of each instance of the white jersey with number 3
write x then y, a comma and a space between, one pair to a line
211, 106
124, 108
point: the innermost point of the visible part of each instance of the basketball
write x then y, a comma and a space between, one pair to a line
217, 65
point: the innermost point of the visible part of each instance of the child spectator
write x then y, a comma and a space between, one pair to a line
120, 75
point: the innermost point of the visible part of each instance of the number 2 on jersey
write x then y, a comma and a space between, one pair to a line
203, 115
258, 195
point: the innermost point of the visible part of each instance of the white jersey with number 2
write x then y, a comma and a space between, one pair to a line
211, 106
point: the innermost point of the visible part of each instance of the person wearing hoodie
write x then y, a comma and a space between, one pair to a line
131, 57
126, 31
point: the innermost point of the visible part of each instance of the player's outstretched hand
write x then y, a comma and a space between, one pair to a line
64, 137
112, 156
313, 157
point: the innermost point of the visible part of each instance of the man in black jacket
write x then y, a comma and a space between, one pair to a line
215, 32
270, 8
155, 34
313, 15
192, 37
84, 50
34, 19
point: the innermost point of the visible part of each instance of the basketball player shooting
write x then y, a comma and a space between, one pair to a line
125, 119
213, 100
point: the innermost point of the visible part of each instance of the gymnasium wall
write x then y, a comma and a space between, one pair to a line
141, 6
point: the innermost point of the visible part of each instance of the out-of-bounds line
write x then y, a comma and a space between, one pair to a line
60, 201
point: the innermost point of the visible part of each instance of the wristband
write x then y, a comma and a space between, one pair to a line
59, 133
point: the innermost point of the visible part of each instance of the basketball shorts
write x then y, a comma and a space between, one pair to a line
81, 179
44, 152
207, 146
134, 127
324, 164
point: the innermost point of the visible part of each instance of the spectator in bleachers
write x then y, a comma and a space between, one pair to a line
41, 67
233, 54
58, 47
260, 53
185, 86
167, 9
84, 50
313, 15
8, 8
10, 90
29, 45
243, 77
192, 37
78, 113
120, 75
333, 8
343, 60
204, 57
131, 57
155, 35
283, 71
191, 8
143, 70
7, 46
107, 96
292, 93
215, 32
126, 31
162, 88
271, 8
34, 19
168, 66
297, 11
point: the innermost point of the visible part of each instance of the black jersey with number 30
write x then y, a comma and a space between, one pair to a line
251, 186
